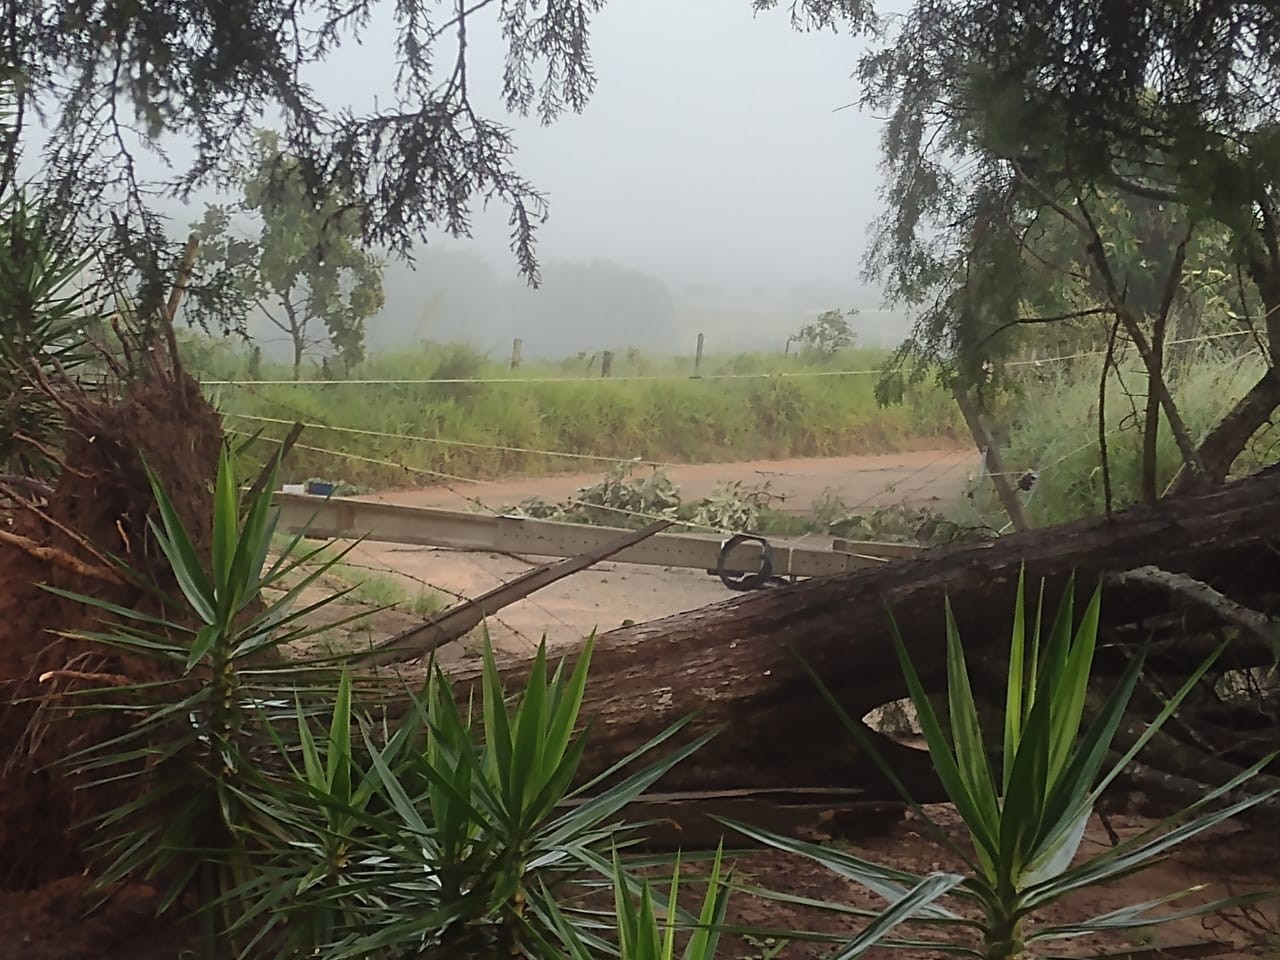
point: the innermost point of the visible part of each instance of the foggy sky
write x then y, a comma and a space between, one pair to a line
710, 151
712, 156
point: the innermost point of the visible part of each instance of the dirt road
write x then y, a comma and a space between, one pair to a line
860, 481
610, 594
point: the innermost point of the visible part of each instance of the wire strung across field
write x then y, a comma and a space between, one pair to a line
421, 471
474, 500
625, 378
445, 479
664, 377
559, 454
469, 444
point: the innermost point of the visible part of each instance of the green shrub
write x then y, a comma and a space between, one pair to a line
293, 822
1052, 427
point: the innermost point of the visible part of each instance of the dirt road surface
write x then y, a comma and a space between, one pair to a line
610, 594
861, 481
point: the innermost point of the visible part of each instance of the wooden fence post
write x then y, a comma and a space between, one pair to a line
606, 363
517, 346
697, 359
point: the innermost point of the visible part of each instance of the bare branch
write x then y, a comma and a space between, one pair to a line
1201, 595
1151, 421
1156, 383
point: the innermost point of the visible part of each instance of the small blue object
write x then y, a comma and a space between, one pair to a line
318, 488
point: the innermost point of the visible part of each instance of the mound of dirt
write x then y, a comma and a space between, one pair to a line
99, 508
57, 922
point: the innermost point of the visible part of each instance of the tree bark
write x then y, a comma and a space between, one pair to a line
1227, 440
298, 334
736, 664
1155, 372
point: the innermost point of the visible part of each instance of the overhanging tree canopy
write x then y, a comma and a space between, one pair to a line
1010, 117
108, 77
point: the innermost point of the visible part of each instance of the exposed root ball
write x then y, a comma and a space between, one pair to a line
97, 510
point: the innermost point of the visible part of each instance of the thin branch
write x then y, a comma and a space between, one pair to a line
1145, 191
1055, 318
1053, 204
1155, 371
1097, 253
106, 679
1203, 596
1107, 364
38, 487
277, 458
267, 313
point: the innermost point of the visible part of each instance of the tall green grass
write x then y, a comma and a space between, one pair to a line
464, 427
1053, 427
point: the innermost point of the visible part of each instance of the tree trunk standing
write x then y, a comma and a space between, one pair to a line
734, 663
1155, 373
1009, 498
297, 333
1228, 439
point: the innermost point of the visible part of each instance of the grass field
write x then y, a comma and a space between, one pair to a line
1052, 427
556, 417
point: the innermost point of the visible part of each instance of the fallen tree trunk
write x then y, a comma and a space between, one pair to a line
737, 664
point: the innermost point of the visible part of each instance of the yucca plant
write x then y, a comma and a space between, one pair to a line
194, 750
321, 801
45, 319
1026, 819
289, 819
647, 930
475, 832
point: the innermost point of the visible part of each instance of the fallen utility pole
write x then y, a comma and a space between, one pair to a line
343, 518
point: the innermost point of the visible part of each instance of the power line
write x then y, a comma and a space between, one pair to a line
454, 443
437, 474
1100, 353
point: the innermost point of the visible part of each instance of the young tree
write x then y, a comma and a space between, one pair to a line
827, 335
305, 266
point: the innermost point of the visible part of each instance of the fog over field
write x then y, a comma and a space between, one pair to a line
713, 184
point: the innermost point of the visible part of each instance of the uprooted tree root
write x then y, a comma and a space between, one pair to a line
97, 510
